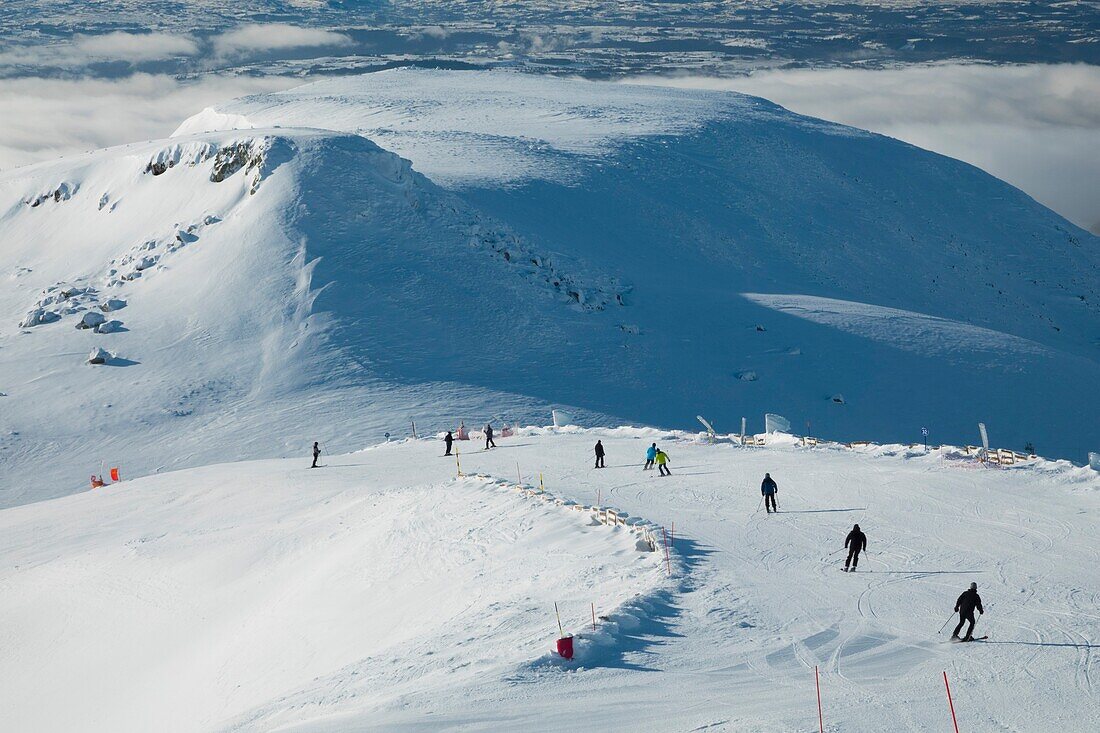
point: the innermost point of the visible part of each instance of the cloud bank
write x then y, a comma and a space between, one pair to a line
274, 37
256, 39
1035, 126
49, 118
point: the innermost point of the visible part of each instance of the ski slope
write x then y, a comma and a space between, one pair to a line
380, 593
338, 261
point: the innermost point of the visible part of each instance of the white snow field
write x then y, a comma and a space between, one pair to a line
633, 254
381, 593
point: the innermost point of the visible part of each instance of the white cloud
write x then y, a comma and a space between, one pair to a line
135, 46
85, 49
1035, 126
47, 118
274, 36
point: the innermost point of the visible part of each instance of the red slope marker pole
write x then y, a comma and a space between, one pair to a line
820, 717
950, 704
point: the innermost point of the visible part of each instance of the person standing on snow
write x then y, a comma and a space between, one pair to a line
489, 436
316, 454
448, 440
599, 454
968, 601
650, 456
854, 542
662, 461
768, 489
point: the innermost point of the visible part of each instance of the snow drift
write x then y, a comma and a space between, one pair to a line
619, 250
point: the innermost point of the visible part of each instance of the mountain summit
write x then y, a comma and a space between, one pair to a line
337, 260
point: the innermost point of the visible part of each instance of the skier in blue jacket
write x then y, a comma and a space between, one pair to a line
650, 457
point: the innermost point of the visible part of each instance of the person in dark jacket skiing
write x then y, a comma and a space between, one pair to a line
968, 601
316, 454
489, 436
650, 457
768, 489
855, 542
599, 454
448, 440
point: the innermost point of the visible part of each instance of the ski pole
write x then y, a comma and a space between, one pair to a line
945, 623
761, 504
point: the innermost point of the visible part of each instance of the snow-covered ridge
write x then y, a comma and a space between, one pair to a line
687, 195
589, 247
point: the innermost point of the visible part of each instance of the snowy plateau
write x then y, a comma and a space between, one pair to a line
347, 258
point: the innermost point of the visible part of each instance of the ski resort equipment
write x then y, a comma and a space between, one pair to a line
115, 476
97, 482
565, 647
985, 441
561, 418
950, 702
776, 424
462, 433
820, 717
707, 425
565, 643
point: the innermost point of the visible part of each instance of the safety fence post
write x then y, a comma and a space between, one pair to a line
820, 717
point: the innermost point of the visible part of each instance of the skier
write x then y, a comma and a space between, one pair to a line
662, 460
855, 542
968, 601
599, 454
97, 482
448, 439
650, 456
316, 454
489, 436
768, 489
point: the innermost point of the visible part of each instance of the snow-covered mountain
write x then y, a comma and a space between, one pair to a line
275, 274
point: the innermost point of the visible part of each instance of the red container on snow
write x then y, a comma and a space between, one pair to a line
565, 647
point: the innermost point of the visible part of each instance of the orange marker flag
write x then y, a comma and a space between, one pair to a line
114, 474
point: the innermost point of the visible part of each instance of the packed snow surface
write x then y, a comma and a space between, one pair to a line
473, 244
380, 592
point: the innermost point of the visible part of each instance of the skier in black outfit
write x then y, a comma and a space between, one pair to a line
448, 439
316, 454
769, 489
968, 601
489, 436
599, 454
855, 542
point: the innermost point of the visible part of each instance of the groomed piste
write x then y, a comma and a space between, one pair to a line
383, 592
